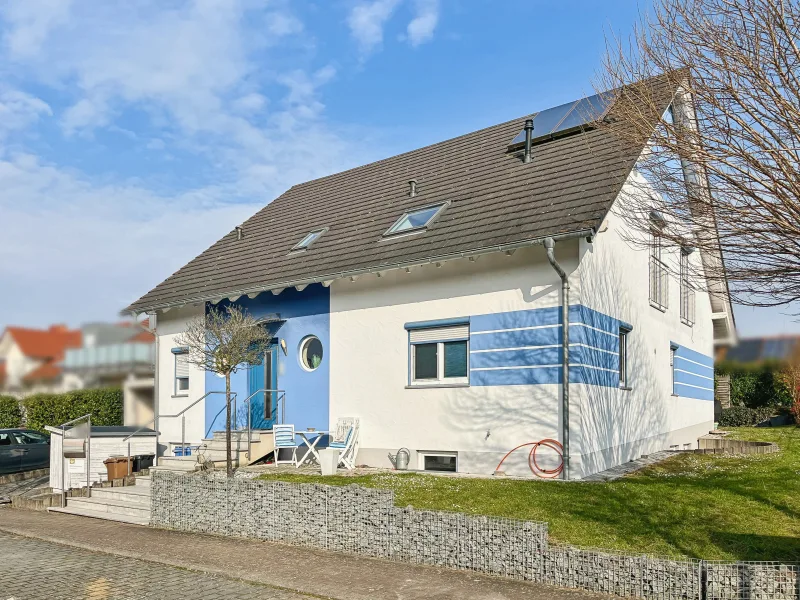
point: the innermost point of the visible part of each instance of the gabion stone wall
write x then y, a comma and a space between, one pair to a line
366, 521
346, 519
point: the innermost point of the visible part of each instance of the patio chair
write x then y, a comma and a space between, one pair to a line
284, 439
345, 440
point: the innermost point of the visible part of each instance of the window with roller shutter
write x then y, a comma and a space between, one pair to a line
181, 371
439, 355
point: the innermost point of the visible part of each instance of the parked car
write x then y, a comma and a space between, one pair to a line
23, 450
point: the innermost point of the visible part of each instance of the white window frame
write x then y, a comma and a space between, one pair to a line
687, 291
441, 336
624, 364
176, 389
672, 349
424, 453
659, 274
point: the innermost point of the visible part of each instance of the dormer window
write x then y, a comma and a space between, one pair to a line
309, 239
416, 220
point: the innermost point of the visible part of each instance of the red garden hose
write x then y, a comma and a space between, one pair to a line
534, 466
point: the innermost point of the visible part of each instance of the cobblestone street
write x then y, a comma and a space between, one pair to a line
34, 570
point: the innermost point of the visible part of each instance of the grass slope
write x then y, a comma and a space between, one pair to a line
705, 506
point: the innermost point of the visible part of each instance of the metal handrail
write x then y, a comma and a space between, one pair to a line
281, 399
183, 425
63, 426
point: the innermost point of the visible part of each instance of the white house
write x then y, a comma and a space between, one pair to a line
423, 294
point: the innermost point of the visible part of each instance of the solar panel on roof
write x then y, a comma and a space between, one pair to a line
567, 116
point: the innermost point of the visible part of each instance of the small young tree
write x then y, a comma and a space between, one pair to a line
222, 342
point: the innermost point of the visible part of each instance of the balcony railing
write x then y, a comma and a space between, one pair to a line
110, 356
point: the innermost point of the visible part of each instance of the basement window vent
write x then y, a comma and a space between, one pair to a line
309, 239
416, 220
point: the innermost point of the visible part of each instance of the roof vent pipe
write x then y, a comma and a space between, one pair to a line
239, 232
412, 188
528, 138
549, 246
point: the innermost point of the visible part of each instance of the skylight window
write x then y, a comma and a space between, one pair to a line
310, 239
416, 219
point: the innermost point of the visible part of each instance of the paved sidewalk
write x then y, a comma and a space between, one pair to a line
33, 570
285, 569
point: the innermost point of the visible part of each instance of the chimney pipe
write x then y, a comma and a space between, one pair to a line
239, 232
412, 188
528, 138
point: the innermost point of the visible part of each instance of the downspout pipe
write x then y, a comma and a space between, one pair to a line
549, 246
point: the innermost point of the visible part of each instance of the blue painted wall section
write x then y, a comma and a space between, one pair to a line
524, 347
693, 374
307, 392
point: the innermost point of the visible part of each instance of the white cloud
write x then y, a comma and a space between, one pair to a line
422, 26
18, 110
216, 82
366, 21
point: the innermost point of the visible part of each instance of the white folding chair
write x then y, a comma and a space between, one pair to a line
284, 439
345, 440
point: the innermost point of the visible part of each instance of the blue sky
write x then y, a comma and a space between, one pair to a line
134, 134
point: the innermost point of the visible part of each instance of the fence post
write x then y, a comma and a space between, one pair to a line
702, 579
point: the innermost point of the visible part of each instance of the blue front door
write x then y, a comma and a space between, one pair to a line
264, 376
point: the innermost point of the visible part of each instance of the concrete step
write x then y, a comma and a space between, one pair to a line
95, 514
220, 445
143, 481
176, 463
221, 454
130, 493
115, 507
255, 435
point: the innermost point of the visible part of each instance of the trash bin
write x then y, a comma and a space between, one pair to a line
117, 467
142, 462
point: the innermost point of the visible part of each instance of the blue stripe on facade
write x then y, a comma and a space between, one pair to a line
692, 374
516, 358
693, 355
520, 318
691, 392
533, 338
519, 338
700, 382
593, 357
578, 334
686, 364
544, 375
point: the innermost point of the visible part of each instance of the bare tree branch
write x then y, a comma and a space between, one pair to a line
223, 342
731, 160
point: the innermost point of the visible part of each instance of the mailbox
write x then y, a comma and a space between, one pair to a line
75, 448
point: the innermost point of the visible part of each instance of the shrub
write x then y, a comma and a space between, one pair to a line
105, 406
10, 412
742, 416
756, 385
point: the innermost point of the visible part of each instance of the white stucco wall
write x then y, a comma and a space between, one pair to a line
369, 359
612, 426
169, 326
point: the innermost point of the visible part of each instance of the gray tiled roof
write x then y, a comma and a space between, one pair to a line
495, 199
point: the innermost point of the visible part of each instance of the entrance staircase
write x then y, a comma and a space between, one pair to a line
131, 503
126, 504
212, 452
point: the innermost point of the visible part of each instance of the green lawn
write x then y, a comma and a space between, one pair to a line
705, 506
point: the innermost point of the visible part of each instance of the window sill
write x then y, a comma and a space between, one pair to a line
424, 386
625, 388
675, 395
662, 309
179, 396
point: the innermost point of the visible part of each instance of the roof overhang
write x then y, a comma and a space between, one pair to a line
327, 279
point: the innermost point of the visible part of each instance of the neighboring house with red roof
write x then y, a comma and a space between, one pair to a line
59, 359
31, 359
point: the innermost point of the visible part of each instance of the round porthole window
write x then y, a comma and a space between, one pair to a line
310, 353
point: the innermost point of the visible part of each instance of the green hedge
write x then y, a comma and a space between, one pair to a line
742, 416
10, 412
756, 385
105, 406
